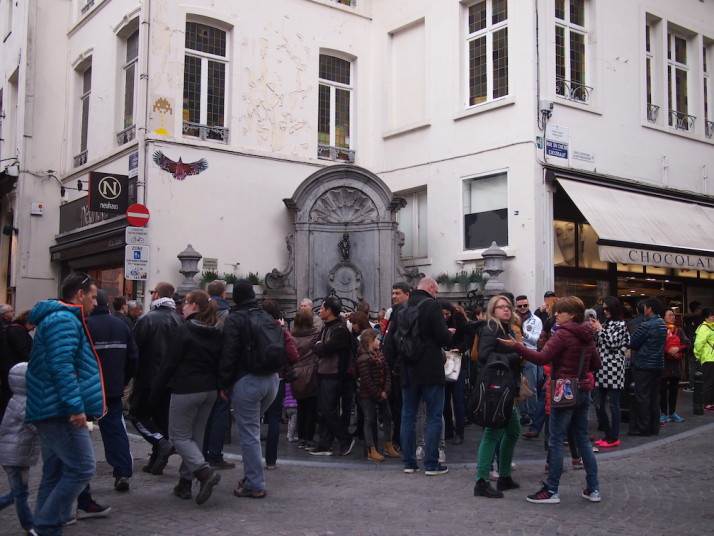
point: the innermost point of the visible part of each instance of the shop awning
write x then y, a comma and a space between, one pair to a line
635, 228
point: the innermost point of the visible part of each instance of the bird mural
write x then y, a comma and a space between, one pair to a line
179, 170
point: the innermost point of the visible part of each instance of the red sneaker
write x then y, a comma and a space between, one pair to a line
613, 443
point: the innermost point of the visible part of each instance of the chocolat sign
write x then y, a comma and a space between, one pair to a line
665, 259
108, 192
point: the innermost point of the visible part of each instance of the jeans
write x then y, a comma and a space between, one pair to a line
272, 419
646, 410
18, 494
115, 440
539, 416
420, 425
454, 394
528, 407
560, 419
218, 424
188, 414
69, 465
503, 438
329, 393
251, 397
433, 396
610, 428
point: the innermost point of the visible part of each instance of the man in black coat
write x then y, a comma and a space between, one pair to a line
425, 380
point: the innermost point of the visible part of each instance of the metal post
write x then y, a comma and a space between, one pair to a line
698, 398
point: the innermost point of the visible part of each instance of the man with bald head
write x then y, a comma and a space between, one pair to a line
424, 379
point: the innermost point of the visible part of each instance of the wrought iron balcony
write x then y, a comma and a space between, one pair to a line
351, 3
328, 152
652, 113
681, 121
571, 90
709, 128
126, 135
80, 159
86, 7
206, 132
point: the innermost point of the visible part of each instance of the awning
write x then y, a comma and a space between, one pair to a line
636, 228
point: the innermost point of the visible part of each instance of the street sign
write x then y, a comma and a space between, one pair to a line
136, 262
136, 236
137, 215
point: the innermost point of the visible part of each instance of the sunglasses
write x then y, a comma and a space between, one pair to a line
522, 306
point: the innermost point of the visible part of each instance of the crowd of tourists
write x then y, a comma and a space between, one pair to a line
416, 373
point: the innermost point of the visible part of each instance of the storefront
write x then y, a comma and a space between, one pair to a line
633, 242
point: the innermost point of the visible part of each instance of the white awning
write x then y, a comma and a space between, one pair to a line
636, 228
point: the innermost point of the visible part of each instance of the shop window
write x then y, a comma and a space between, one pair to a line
412, 221
334, 109
485, 206
576, 245
204, 82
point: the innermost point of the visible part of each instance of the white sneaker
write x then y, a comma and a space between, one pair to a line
513, 466
592, 496
420, 453
442, 456
493, 475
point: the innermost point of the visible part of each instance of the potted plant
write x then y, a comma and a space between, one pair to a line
230, 279
445, 281
476, 279
463, 280
207, 276
254, 278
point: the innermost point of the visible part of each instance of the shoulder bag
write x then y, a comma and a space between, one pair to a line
564, 391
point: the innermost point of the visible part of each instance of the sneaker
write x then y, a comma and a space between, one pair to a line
599, 442
513, 466
348, 449
302, 445
420, 453
675, 418
244, 492
493, 475
442, 456
559, 390
578, 463
592, 496
223, 464
567, 391
94, 509
662, 419
709, 407
70, 521
438, 470
314, 451
411, 470
688, 389
610, 443
270, 466
121, 483
292, 439
544, 495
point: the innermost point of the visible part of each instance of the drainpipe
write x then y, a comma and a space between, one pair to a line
142, 130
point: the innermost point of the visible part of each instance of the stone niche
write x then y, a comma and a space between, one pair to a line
345, 240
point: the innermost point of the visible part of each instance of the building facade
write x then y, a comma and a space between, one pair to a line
576, 135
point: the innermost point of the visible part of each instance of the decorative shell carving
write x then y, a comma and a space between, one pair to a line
344, 205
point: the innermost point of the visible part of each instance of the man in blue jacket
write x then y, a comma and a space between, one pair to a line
647, 344
64, 388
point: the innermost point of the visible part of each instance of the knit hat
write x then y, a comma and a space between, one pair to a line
243, 290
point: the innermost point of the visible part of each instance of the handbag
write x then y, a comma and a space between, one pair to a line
525, 392
564, 391
305, 384
452, 365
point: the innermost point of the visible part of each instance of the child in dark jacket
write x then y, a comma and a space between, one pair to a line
19, 449
375, 386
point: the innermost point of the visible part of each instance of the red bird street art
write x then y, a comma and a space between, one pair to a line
178, 169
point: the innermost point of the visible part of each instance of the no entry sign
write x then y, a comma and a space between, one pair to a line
137, 215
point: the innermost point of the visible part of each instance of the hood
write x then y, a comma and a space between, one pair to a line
202, 330
44, 308
585, 332
245, 304
100, 310
16, 378
163, 302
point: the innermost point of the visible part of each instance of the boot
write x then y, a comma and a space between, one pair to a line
373, 455
390, 451
163, 451
149, 467
506, 482
183, 489
484, 489
207, 478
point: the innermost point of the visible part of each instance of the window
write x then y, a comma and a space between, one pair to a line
571, 37
204, 82
132, 54
652, 109
81, 158
413, 223
334, 119
708, 93
677, 82
485, 211
487, 51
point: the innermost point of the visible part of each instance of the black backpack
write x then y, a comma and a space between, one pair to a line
492, 404
264, 343
410, 344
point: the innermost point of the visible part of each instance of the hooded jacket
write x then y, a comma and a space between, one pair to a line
230, 366
563, 351
19, 442
648, 341
373, 375
704, 343
64, 374
154, 333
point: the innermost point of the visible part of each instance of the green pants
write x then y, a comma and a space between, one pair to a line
491, 436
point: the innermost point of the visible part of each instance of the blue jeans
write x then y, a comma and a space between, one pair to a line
216, 427
69, 465
539, 416
272, 418
560, 419
611, 428
527, 408
18, 494
433, 396
251, 397
116, 442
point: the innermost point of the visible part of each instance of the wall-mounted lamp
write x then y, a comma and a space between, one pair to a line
8, 229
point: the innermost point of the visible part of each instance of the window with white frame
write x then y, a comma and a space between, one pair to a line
652, 109
84, 101
487, 51
128, 131
413, 223
707, 51
204, 82
334, 116
678, 83
571, 38
485, 209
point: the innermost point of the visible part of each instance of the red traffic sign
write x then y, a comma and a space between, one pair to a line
137, 215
